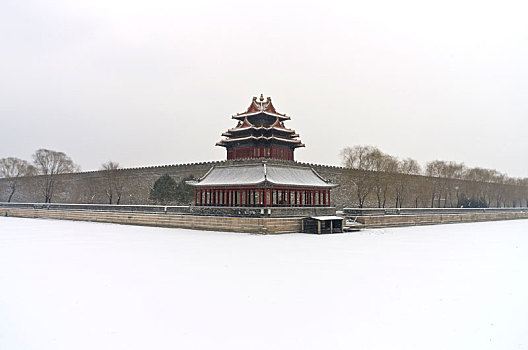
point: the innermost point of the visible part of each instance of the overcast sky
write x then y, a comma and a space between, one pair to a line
156, 82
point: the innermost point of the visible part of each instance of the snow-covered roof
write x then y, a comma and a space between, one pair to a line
246, 175
245, 115
260, 105
252, 127
251, 137
326, 218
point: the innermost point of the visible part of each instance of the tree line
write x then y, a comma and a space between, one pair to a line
45, 162
50, 164
379, 179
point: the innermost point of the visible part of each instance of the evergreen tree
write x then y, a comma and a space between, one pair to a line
165, 190
185, 192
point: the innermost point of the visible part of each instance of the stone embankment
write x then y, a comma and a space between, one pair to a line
251, 220
264, 225
377, 218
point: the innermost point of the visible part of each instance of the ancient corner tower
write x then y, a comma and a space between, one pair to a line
260, 133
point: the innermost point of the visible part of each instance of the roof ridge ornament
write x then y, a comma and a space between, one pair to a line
261, 101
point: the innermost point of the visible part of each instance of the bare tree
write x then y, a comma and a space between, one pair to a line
402, 181
114, 183
385, 167
361, 159
12, 168
50, 164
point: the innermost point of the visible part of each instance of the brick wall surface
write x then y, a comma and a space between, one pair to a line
89, 187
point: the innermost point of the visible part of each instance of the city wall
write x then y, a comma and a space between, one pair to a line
90, 187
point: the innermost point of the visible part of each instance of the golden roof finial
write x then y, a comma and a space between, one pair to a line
261, 98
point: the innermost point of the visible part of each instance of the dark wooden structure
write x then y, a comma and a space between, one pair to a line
323, 224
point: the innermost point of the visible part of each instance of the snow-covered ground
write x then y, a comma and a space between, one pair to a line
77, 285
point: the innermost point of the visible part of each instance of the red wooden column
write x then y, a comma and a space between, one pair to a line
296, 193
265, 197
324, 198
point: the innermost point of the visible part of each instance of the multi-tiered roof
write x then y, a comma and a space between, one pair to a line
260, 133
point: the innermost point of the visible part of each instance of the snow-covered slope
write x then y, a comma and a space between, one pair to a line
77, 285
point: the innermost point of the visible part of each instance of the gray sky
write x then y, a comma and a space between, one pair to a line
156, 82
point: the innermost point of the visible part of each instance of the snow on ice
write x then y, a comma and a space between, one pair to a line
78, 285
